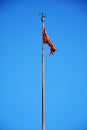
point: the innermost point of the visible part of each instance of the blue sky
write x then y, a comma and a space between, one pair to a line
20, 65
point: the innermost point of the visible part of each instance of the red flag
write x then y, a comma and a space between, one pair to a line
47, 40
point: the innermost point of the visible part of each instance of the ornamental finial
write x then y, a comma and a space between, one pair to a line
42, 16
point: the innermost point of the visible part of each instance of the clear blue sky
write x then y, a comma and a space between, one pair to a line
20, 65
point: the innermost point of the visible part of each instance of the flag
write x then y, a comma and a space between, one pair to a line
47, 40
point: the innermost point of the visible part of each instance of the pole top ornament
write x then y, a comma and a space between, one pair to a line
42, 16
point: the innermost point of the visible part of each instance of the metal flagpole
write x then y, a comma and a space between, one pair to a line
43, 85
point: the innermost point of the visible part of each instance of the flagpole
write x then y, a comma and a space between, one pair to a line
43, 85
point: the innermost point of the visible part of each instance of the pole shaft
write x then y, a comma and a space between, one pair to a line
43, 91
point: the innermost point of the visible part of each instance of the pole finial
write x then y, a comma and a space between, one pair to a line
42, 16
